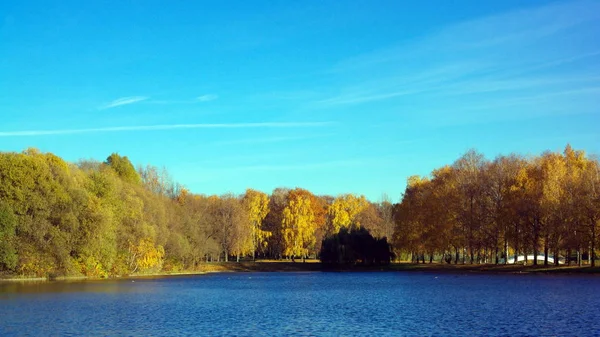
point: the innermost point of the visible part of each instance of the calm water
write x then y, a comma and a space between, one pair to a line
271, 304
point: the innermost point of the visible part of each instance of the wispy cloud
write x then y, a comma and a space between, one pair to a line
123, 101
199, 99
481, 56
487, 86
269, 140
509, 29
272, 125
207, 98
365, 97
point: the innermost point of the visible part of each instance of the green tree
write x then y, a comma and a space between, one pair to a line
124, 168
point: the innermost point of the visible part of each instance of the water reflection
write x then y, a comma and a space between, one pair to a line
75, 286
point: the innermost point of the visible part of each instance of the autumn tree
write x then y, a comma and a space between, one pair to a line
8, 225
298, 224
409, 217
501, 175
589, 205
343, 212
582, 195
145, 255
230, 223
257, 207
273, 222
158, 181
469, 186
553, 212
123, 167
385, 209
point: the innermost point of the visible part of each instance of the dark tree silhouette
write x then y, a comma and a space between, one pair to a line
355, 246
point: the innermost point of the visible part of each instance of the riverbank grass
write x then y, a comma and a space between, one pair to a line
315, 265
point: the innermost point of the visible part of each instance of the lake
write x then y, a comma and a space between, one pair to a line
302, 304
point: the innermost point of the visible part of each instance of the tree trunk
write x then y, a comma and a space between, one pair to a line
569, 257
497, 257
457, 256
430, 258
254, 244
593, 250
505, 250
593, 253
516, 243
536, 240
485, 255
546, 248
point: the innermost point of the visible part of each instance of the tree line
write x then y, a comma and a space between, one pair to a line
482, 211
107, 218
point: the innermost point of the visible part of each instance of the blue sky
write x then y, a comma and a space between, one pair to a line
330, 96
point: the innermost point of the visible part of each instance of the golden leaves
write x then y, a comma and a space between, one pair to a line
344, 210
298, 225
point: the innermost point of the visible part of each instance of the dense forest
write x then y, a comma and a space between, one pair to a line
108, 218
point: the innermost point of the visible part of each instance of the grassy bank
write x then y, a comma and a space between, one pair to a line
314, 265
491, 268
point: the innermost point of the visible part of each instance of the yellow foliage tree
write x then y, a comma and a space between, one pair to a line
344, 210
298, 226
145, 256
257, 206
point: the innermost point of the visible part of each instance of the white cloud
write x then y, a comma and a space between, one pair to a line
123, 101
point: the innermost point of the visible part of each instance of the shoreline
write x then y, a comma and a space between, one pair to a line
314, 266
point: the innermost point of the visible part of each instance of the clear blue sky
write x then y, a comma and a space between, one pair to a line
332, 96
